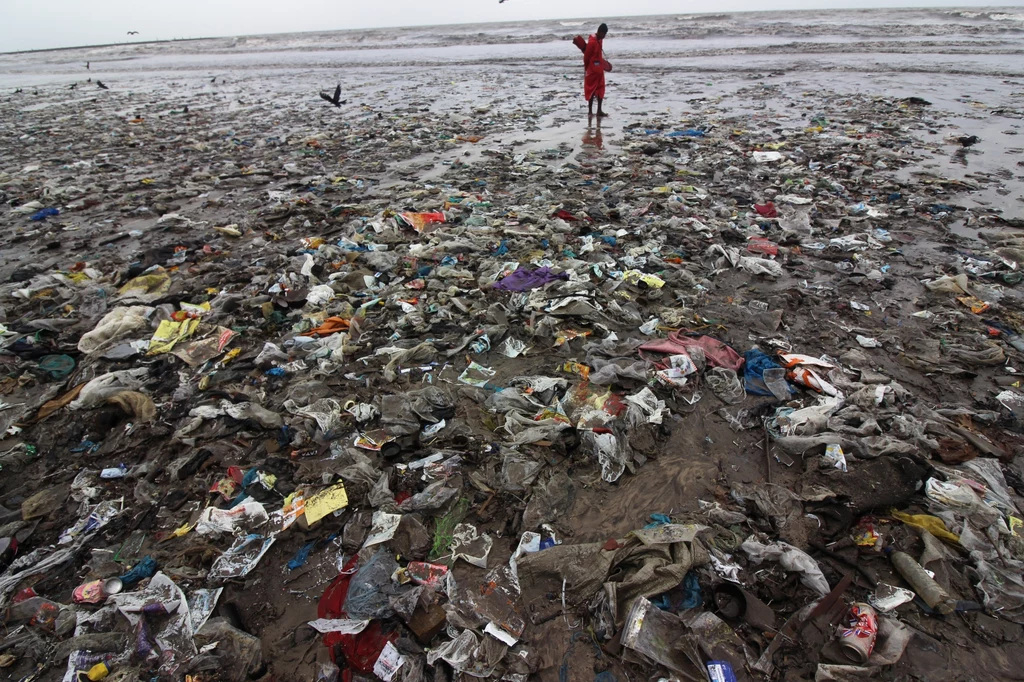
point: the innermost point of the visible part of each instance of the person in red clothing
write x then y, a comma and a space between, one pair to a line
595, 66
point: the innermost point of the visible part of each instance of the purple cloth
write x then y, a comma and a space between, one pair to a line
524, 280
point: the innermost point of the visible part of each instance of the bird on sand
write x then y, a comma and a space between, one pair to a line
336, 100
968, 140
102, 86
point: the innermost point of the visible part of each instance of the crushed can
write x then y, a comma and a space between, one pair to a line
97, 591
857, 638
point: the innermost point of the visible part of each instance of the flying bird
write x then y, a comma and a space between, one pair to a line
133, 33
102, 86
336, 100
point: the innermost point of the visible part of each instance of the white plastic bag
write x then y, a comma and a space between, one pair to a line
791, 559
115, 325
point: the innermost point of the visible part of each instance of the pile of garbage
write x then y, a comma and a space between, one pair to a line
265, 416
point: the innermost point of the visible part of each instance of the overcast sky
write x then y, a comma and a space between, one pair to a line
36, 24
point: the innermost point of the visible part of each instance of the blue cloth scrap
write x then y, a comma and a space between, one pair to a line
250, 476
687, 595
658, 520
754, 366
144, 569
301, 556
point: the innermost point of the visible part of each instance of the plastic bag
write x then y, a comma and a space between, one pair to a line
609, 452
961, 498
383, 528
241, 557
115, 325
790, 558
946, 284
434, 496
325, 411
470, 545
647, 405
237, 654
647, 629
725, 384
518, 471
320, 295
370, 588
761, 266
108, 385
549, 501
248, 515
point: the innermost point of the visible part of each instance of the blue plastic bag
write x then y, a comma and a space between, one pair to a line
44, 214
689, 132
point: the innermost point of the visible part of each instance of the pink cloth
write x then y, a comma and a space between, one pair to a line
716, 353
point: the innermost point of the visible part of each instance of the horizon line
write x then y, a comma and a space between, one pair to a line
518, 21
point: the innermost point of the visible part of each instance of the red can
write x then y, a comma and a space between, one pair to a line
857, 638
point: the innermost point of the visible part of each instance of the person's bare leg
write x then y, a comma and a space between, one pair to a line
590, 108
600, 112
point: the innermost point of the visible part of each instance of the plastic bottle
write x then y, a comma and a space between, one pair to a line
930, 591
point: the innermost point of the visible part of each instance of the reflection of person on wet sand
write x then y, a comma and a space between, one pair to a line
593, 138
595, 65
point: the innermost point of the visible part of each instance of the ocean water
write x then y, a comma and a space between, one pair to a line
975, 41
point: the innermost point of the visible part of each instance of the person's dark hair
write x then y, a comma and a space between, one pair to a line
603, 28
